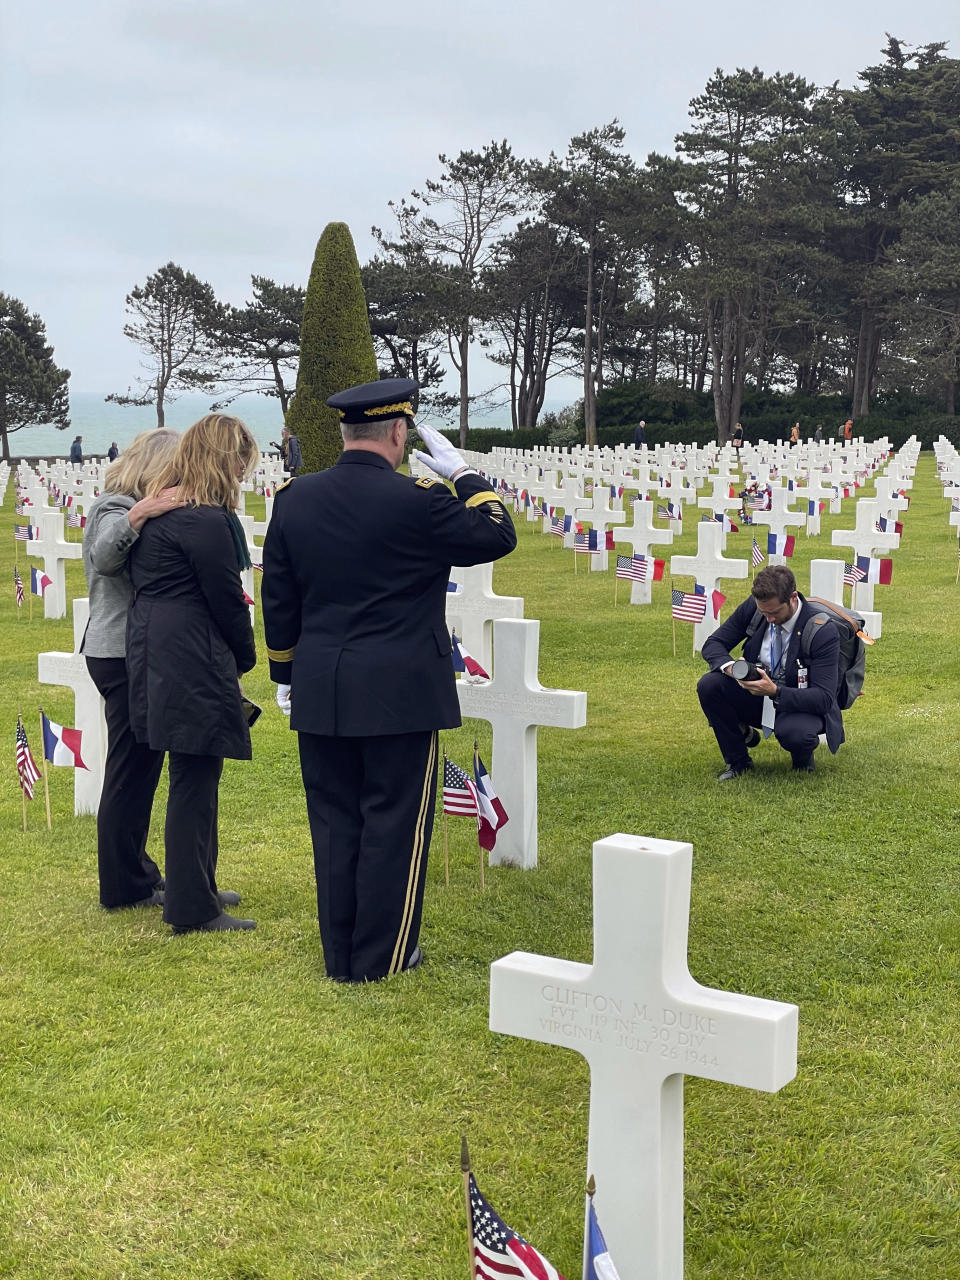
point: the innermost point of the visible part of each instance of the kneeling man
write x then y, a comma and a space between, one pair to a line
794, 694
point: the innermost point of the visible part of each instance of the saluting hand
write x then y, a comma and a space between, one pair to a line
443, 458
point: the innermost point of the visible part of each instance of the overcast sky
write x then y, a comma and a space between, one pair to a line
224, 136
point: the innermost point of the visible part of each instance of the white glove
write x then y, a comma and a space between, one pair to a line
283, 698
443, 457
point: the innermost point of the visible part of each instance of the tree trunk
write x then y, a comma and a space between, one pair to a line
463, 345
868, 343
160, 417
589, 399
3, 428
702, 367
950, 406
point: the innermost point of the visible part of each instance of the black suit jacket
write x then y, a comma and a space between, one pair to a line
355, 570
820, 696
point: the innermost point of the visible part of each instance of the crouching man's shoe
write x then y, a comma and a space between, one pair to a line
735, 770
804, 764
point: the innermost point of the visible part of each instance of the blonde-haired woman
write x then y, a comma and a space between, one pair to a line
129, 877
189, 638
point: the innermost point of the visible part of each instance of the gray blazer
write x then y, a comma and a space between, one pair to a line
107, 540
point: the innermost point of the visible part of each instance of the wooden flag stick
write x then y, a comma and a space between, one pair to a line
46, 782
616, 590
673, 620
465, 1170
958, 564
446, 853
23, 794
483, 886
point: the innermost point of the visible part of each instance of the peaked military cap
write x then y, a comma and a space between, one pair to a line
373, 401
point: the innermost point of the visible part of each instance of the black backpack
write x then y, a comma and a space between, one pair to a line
851, 667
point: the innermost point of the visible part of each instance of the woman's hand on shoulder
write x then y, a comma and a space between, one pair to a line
144, 510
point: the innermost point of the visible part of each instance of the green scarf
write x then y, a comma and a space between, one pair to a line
239, 541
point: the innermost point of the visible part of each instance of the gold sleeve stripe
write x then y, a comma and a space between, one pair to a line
281, 655
413, 876
479, 499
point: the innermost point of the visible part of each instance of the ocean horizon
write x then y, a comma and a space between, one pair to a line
100, 422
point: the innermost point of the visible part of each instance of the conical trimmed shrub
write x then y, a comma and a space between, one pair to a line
336, 349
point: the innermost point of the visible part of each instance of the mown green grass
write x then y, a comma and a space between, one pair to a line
212, 1107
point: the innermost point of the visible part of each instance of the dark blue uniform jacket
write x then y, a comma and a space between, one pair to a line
355, 569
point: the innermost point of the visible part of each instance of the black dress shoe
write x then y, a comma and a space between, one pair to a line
229, 898
804, 764
155, 900
219, 924
735, 770
415, 961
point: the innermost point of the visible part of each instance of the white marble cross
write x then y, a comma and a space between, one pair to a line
641, 536
574, 504
642, 1022
55, 552
70, 670
864, 540
708, 567
719, 499
601, 515
778, 518
473, 609
826, 581
516, 703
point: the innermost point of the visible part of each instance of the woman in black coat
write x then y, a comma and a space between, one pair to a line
189, 638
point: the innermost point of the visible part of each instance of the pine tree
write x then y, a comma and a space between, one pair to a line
336, 349
33, 389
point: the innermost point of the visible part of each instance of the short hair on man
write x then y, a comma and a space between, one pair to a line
776, 580
376, 429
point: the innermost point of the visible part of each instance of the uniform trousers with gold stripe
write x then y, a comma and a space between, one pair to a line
370, 804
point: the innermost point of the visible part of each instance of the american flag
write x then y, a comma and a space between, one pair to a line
18, 585
852, 574
75, 520
757, 502
23, 532
585, 542
556, 526
757, 554
498, 1251
630, 567
667, 513
26, 765
459, 792
689, 607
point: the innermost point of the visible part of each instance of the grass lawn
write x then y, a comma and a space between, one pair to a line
211, 1107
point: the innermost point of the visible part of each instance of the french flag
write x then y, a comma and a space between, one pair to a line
780, 544
879, 571
492, 813
39, 582
609, 543
60, 745
464, 661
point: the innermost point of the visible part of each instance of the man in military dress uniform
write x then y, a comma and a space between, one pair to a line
355, 569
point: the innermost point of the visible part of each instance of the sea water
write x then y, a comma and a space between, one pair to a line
100, 423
